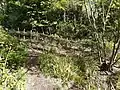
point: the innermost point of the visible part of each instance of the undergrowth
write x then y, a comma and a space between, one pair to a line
64, 67
12, 61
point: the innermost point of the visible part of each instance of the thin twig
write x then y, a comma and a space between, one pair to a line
116, 51
87, 12
108, 12
104, 46
115, 61
113, 51
91, 10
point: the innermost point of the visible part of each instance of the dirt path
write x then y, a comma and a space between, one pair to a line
35, 80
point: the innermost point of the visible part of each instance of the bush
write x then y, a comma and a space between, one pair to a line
12, 60
11, 79
11, 49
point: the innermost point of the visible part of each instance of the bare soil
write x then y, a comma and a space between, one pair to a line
35, 80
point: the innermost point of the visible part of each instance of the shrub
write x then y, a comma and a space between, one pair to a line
12, 60
11, 49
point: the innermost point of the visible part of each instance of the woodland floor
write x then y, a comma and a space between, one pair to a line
35, 80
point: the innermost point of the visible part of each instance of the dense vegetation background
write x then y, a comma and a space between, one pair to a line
94, 23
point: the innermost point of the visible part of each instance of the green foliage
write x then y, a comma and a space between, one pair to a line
12, 60
96, 23
60, 4
13, 50
66, 68
11, 79
66, 29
